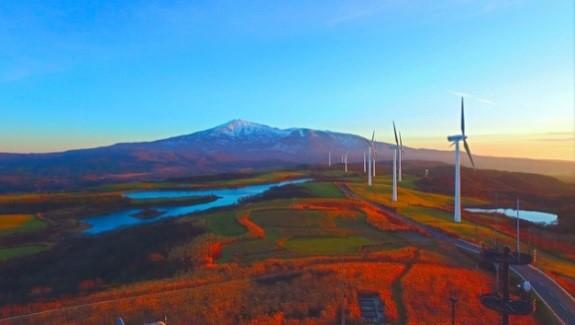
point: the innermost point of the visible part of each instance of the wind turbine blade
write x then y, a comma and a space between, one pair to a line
395, 133
462, 118
468, 153
400, 142
372, 137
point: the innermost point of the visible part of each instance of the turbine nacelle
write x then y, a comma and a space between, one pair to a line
456, 138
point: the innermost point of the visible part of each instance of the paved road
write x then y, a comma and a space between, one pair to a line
561, 303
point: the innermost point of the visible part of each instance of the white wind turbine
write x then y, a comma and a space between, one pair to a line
373, 149
329, 159
364, 163
396, 150
400, 157
456, 139
370, 160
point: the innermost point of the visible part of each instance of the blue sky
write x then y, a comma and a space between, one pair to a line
84, 73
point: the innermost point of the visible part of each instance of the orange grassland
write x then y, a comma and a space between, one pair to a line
346, 207
414, 284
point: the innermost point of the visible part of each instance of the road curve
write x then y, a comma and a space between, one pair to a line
559, 301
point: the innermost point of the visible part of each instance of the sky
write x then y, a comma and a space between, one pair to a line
77, 74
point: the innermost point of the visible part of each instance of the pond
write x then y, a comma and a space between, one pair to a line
225, 197
532, 216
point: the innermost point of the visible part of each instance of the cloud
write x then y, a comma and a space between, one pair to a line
472, 97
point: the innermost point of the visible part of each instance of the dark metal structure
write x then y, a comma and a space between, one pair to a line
372, 307
500, 300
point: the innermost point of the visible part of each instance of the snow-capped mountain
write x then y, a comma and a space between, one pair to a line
238, 144
240, 136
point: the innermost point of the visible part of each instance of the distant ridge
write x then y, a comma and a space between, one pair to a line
235, 145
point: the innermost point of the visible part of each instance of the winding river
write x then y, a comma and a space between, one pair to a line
225, 197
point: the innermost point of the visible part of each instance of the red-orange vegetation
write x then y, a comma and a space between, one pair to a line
539, 238
567, 283
203, 250
384, 221
253, 228
427, 289
275, 319
373, 277
295, 291
334, 208
343, 208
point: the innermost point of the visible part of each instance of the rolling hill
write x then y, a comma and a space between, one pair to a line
233, 146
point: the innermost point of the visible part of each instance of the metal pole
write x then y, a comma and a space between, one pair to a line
369, 171
394, 189
453, 299
505, 287
517, 225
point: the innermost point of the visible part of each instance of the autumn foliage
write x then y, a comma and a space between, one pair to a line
201, 251
345, 208
413, 287
254, 229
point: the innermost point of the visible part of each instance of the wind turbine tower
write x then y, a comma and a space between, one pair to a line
364, 163
400, 157
517, 248
373, 149
329, 159
456, 139
395, 157
370, 160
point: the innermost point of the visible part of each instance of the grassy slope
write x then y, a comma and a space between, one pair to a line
11, 223
327, 246
17, 224
323, 189
11, 252
433, 209
294, 233
212, 182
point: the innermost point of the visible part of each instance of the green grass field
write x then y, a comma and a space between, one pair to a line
327, 245
14, 223
249, 250
11, 252
323, 189
224, 224
261, 178
295, 232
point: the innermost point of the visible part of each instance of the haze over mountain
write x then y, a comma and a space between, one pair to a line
232, 146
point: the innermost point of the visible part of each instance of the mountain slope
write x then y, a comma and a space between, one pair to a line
235, 145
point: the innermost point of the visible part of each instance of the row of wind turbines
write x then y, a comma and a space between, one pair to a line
370, 160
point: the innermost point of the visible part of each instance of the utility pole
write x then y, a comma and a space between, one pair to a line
453, 298
496, 219
517, 226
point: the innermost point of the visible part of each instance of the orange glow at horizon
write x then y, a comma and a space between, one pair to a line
554, 146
